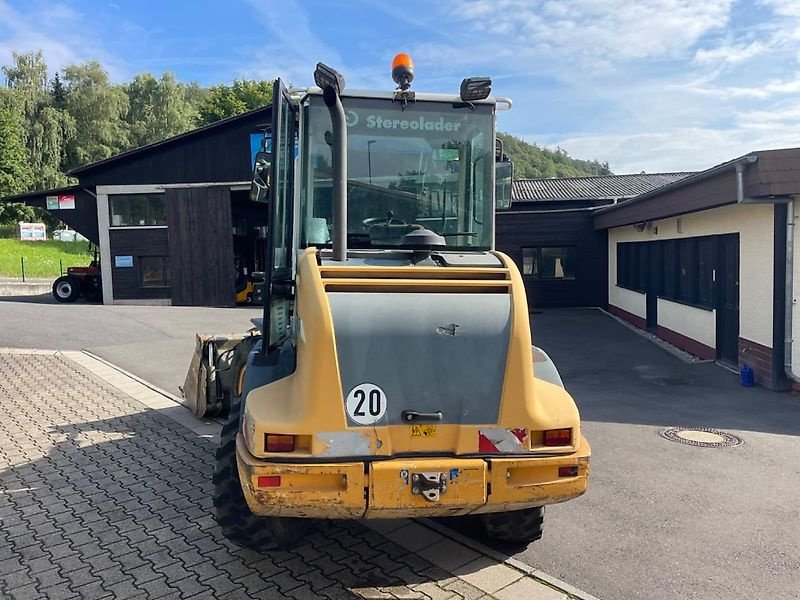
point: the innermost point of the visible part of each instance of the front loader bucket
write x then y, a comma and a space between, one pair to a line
214, 375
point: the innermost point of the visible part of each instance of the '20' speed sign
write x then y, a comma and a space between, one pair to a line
366, 404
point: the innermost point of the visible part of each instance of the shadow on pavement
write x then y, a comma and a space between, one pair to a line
33, 299
132, 495
619, 376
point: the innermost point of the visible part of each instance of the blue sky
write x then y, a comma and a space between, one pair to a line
653, 85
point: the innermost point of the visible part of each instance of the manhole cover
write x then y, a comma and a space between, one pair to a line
701, 436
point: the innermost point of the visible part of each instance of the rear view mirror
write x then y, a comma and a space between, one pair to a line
262, 169
503, 176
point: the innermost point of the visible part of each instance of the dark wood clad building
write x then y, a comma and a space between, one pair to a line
172, 218
549, 231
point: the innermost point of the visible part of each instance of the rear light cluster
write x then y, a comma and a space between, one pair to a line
269, 481
278, 442
558, 437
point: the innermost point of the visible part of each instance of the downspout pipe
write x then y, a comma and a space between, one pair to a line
789, 299
739, 166
339, 167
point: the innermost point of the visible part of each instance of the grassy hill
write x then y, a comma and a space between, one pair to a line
531, 161
41, 258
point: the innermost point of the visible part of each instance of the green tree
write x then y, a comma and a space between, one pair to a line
47, 129
58, 92
158, 108
15, 172
99, 109
225, 101
27, 78
533, 162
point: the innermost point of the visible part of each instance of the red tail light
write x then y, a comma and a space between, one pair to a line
567, 471
269, 481
558, 437
279, 443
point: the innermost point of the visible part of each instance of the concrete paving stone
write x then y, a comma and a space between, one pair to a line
71, 562
414, 537
237, 569
60, 591
90, 549
285, 581
102, 562
204, 595
129, 561
530, 589
48, 578
24, 592
384, 526
160, 559
487, 575
304, 592
143, 574
371, 593
190, 586
337, 592
413, 561
16, 579
434, 592
190, 557
448, 554
124, 590
112, 576
253, 583
79, 577
20, 530
405, 593
157, 588
38, 565
464, 589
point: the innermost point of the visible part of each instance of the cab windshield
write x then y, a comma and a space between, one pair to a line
429, 166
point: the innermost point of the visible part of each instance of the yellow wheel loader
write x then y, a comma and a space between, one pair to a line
392, 374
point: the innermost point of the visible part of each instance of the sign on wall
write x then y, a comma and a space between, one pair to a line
123, 262
61, 202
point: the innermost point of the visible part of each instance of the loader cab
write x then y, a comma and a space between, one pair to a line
426, 166
420, 169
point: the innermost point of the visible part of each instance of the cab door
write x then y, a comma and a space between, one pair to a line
280, 249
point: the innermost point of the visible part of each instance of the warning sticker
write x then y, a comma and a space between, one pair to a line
423, 431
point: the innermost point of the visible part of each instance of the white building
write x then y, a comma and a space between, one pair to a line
707, 263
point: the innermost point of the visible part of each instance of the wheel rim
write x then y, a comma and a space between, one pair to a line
64, 289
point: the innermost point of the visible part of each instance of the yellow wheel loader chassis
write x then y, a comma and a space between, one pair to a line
301, 453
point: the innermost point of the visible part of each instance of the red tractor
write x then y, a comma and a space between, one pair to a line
80, 281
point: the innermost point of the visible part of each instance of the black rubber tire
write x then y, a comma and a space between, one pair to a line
516, 526
238, 524
67, 288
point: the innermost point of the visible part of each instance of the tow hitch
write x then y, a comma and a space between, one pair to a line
430, 485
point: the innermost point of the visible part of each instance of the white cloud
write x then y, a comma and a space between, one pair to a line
59, 31
729, 53
597, 31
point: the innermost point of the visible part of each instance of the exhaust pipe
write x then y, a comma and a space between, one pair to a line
332, 84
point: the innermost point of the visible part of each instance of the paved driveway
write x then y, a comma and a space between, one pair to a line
663, 520
155, 343
101, 497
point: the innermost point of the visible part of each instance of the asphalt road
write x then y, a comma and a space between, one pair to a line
155, 343
661, 520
